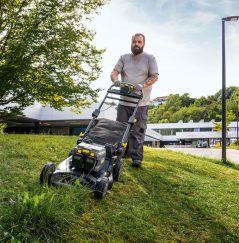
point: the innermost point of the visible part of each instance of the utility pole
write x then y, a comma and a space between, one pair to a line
224, 127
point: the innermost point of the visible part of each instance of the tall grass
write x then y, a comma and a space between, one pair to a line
173, 198
42, 215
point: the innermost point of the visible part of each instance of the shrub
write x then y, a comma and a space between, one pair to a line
217, 145
235, 143
2, 127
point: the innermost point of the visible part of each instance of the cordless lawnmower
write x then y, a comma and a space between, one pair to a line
97, 159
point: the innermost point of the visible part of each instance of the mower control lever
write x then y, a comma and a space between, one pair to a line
130, 87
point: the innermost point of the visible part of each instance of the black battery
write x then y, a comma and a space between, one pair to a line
88, 157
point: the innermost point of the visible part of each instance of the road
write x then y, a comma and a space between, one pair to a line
232, 155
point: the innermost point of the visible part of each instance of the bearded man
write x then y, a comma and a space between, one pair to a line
139, 69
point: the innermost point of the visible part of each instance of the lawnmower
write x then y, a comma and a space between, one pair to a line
97, 158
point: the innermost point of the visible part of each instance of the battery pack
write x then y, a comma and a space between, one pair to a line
88, 157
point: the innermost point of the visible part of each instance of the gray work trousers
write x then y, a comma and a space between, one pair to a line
137, 133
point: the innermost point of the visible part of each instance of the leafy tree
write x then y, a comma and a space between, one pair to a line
156, 114
185, 108
233, 102
230, 116
46, 54
186, 100
188, 113
173, 103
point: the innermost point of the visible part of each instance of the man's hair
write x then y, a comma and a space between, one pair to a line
138, 34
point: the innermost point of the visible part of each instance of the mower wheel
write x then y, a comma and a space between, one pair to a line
118, 169
101, 188
46, 173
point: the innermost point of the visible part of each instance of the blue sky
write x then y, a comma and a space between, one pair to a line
183, 35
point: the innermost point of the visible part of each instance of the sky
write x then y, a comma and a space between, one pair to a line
185, 36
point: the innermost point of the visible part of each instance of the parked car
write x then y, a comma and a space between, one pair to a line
202, 144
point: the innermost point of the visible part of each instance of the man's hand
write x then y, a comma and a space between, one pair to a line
139, 87
117, 83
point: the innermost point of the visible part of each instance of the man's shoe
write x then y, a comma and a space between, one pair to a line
137, 163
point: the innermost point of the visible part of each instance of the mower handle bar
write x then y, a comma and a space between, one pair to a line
124, 84
110, 90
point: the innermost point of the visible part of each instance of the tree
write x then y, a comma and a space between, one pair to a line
229, 118
186, 100
185, 108
46, 54
173, 103
188, 113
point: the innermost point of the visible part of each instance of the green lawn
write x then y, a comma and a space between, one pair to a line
173, 198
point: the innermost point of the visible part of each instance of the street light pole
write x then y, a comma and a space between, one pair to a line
224, 127
224, 156
237, 122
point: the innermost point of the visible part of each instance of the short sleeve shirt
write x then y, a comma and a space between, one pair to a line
136, 69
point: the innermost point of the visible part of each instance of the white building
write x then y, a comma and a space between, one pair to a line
39, 119
159, 100
191, 133
47, 120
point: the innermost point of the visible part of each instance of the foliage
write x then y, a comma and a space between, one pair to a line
46, 54
236, 142
234, 145
2, 127
230, 116
173, 198
184, 108
218, 145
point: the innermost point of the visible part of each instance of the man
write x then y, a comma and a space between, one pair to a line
139, 69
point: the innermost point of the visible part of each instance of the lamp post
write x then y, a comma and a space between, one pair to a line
237, 103
224, 128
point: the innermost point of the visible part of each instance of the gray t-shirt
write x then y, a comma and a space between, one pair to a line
136, 69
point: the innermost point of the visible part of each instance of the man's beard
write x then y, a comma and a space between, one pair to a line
136, 50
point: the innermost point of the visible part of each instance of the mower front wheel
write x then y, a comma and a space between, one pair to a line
46, 173
101, 188
118, 169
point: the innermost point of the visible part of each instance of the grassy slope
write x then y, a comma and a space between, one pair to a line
172, 198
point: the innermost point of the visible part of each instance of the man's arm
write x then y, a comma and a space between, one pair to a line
114, 75
153, 78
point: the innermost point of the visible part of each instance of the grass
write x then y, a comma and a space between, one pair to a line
173, 198
232, 146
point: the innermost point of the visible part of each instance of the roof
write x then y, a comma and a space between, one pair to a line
50, 114
153, 135
198, 135
190, 124
179, 125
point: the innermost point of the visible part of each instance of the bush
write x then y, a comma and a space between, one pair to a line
2, 127
217, 145
235, 143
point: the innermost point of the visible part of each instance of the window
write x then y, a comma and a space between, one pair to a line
205, 129
188, 130
165, 132
169, 132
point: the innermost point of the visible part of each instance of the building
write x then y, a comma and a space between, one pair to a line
158, 101
192, 133
46, 120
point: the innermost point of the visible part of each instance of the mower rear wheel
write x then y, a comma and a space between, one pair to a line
101, 188
118, 169
46, 173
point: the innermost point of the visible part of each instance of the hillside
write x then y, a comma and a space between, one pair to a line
172, 198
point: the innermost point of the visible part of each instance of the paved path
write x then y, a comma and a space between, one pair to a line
232, 155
